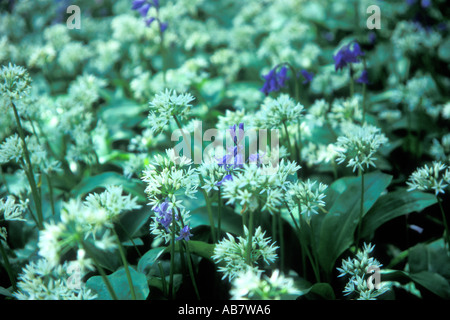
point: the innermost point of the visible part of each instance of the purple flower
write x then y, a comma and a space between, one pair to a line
307, 75
143, 6
372, 36
347, 55
185, 233
425, 3
164, 214
274, 80
364, 78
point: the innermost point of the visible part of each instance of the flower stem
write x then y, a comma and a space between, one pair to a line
8, 266
361, 208
288, 140
29, 169
250, 238
219, 216
191, 270
210, 216
50, 191
444, 220
125, 265
101, 271
172, 258
163, 278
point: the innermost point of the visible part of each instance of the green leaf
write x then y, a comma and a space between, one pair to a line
321, 290
339, 225
149, 258
433, 282
88, 184
120, 285
392, 205
202, 249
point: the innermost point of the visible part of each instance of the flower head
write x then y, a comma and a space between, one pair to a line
143, 7
347, 55
359, 145
275, 80
307, 75
306, 196
430, 178
364, 78
15, 82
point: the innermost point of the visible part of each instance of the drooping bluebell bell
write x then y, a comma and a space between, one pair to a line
185, 233
164, 214
275, 80
347, 54
143, 6
364, 78
307, 75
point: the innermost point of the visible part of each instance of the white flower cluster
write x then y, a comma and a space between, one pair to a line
15, 82
168, 176
211, 174
430, 178
89, 220
41, 280
306, 197
250, 285
11, 210
12, 149
230, 254
259, 186
279, 111
357, 269
166, 105
359, 144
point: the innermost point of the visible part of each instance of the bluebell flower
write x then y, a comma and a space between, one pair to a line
347, 55
185, 233
307, 75
143, 6
425, 3
274, 80
364, 78
164, 214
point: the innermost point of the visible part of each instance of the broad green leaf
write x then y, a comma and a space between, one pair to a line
88, 184
120, 285
149, 258
322, 290
392, 205
433, 282
339, 224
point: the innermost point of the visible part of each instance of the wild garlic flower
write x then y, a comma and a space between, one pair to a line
279, 111
259, 186
346, 111
230, 254
41, 280
440, 150
15, 82
89, 220
306, 197
358, 145
252, 285
169, 176
165, 106
112, 201
358, 269
164, 223
11, 210
12, 149
434, 178
211, 175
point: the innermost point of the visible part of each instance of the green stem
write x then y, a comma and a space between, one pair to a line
305, 247
125, 265
361, 209
281, 236
444, 221
30, 175
50, 191
352, 82
8, 266
172, 258
130, 238
101, 271
250, 238
186, 140
210, 216
163, 279
191, 270
288, 140
219, 216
